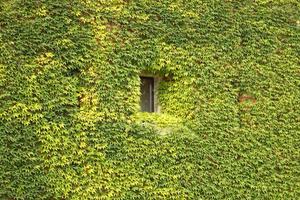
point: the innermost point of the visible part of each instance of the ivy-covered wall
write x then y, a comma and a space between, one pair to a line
69, 99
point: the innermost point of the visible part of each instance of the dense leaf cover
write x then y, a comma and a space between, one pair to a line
69, 99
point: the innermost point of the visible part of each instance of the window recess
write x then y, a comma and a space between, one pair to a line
147, 94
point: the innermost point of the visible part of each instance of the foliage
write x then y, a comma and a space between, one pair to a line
69, 99
162, 124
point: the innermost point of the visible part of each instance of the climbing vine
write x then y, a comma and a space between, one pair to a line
69, 99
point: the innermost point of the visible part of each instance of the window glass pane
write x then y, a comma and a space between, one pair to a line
147, 95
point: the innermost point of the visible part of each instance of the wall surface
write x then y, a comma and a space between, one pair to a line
70, 125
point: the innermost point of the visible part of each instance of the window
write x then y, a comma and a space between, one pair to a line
147, 94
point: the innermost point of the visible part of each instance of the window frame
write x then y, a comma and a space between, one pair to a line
154, 98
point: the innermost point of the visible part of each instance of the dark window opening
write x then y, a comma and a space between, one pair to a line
147, 94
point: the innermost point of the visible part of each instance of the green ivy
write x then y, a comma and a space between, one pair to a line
70, 125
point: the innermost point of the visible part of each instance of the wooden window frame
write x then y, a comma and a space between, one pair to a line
155, 108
